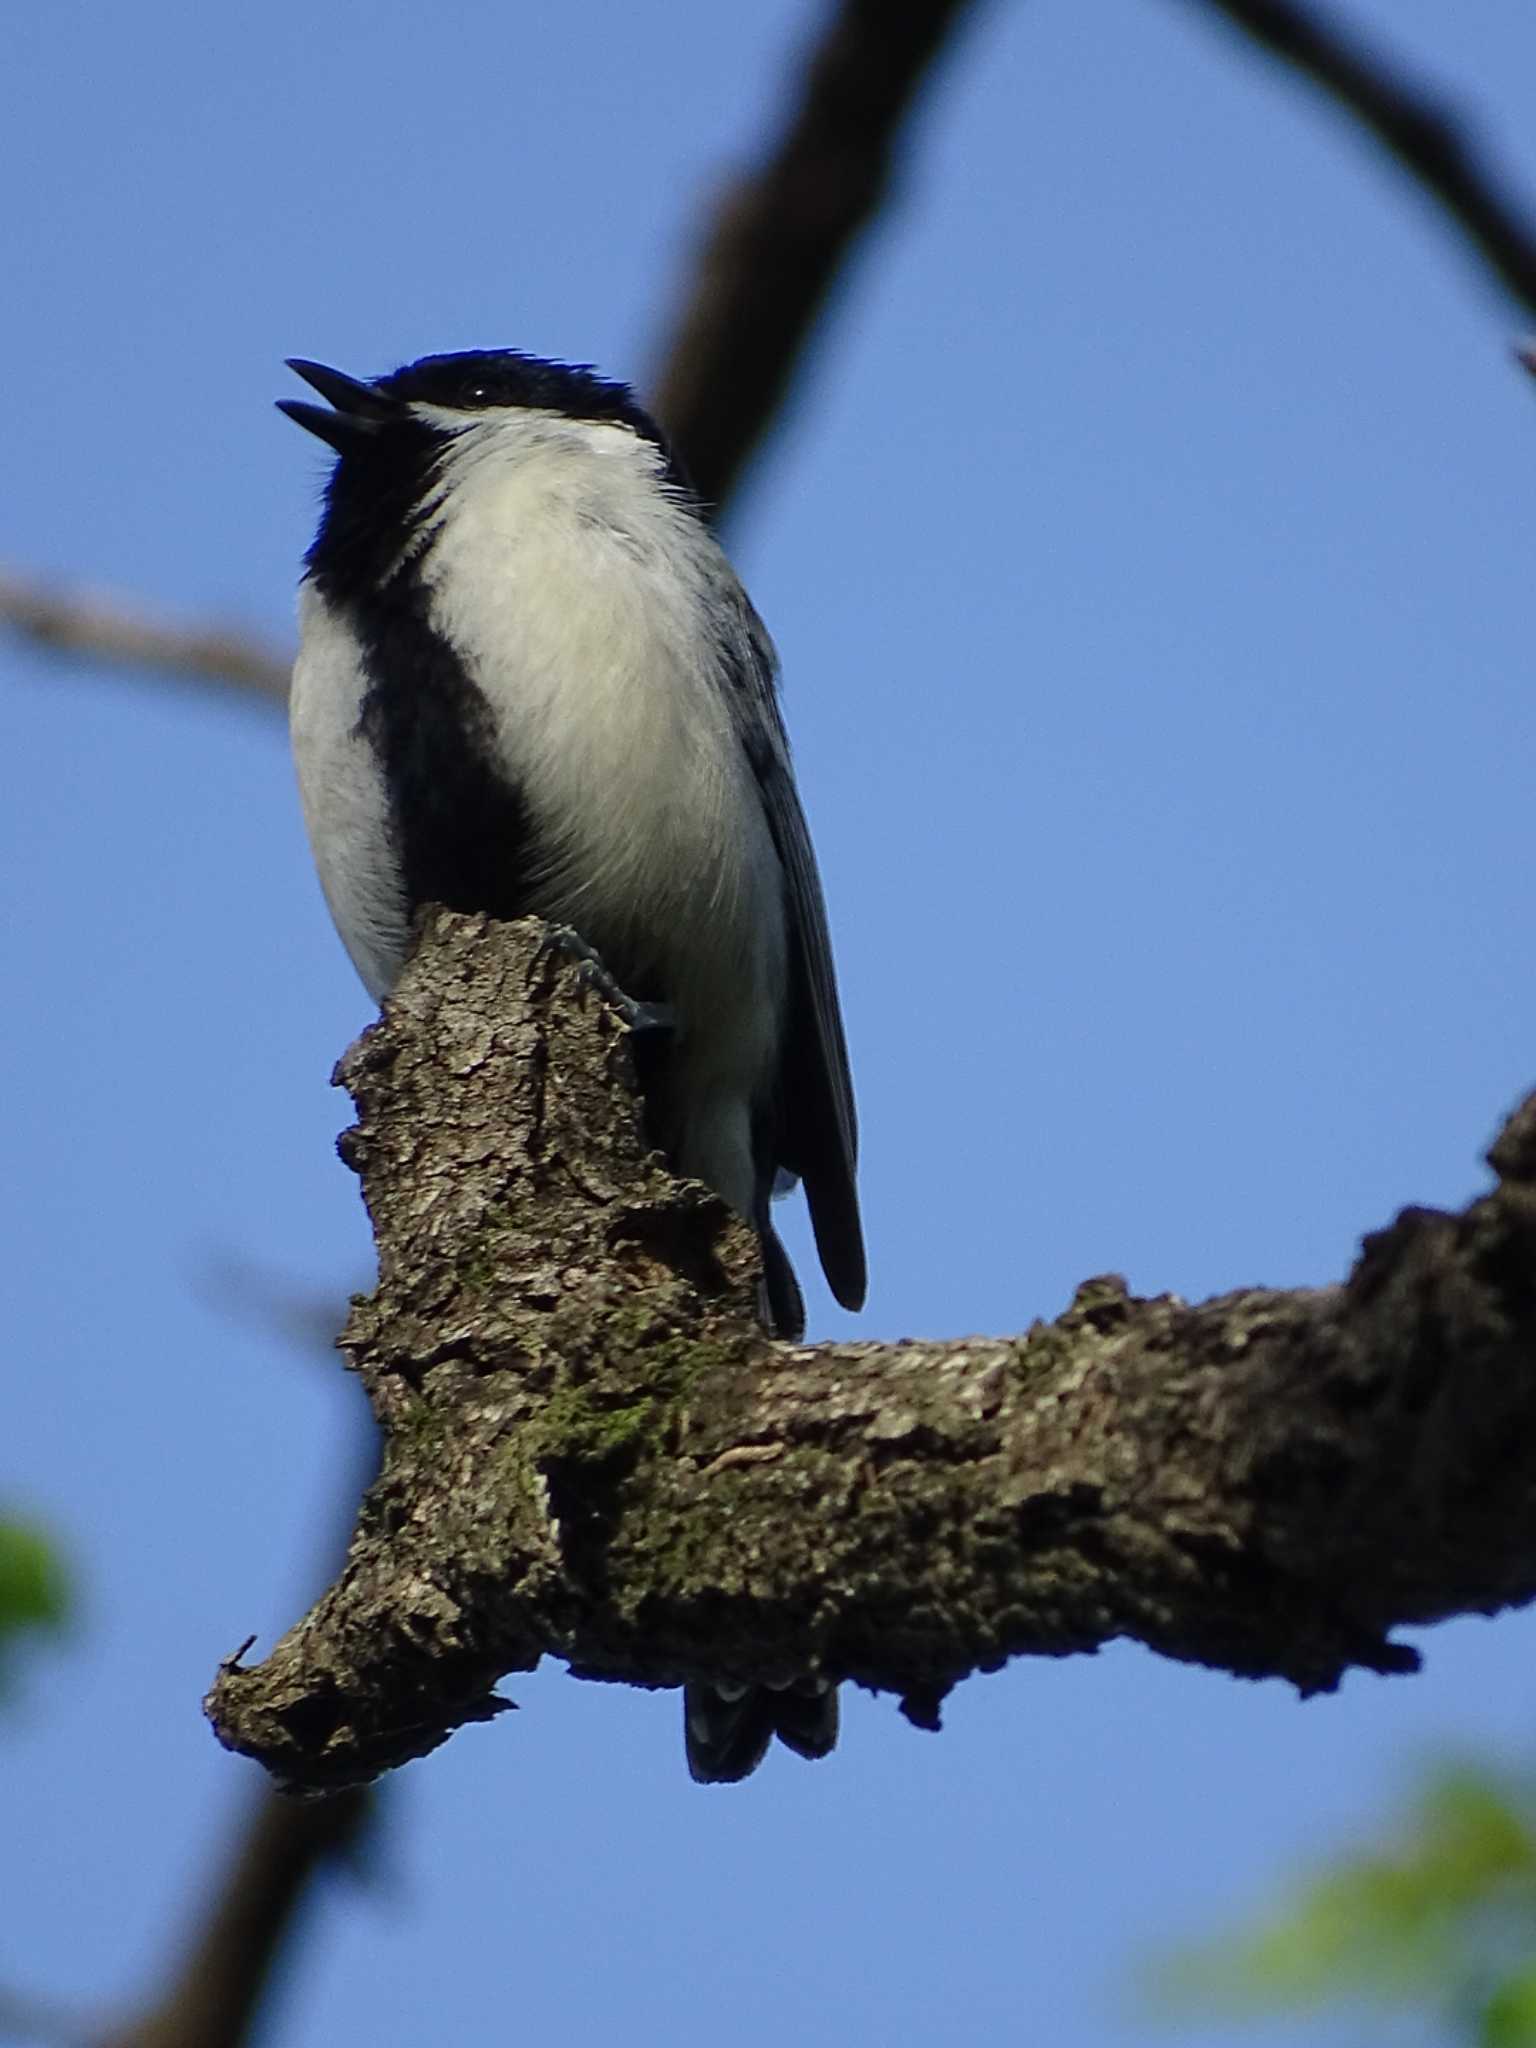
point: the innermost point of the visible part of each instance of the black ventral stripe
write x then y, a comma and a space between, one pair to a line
461, 826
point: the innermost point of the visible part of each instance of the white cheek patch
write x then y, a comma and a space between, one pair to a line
513, 432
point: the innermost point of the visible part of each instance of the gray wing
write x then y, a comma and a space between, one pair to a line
817, 1134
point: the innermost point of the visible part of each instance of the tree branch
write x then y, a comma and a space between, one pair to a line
99, 629
216, 1996
780, 238
593, 1452
1417, 128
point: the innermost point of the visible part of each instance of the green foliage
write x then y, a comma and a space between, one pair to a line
1444, 1918
34, 1593
1508, 2018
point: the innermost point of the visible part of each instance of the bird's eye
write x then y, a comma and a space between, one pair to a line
480, 394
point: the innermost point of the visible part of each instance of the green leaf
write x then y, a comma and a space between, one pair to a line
34, 1593
1508, 2019
1426, 1920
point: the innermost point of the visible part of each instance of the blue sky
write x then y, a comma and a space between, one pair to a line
1149, 550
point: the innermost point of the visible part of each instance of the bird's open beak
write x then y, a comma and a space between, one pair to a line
360, 409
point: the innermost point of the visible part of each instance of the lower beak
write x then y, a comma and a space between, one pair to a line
360, 409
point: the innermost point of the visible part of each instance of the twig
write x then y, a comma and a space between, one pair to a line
1423, 134
781, 237
99, 629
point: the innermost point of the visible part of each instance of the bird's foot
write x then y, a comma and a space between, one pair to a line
642, 1018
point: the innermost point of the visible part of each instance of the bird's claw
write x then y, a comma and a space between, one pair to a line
593, 974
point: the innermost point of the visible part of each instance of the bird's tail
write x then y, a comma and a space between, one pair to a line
728, 1734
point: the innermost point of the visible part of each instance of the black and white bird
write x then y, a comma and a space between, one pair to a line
530, 683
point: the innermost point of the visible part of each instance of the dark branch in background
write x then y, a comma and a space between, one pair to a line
782, 236
592, 1451
215, 1997
273, 1857
93, 628
1420, 131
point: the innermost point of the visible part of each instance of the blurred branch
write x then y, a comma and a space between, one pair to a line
1418, 129
99, 629
23, 2018
213, 2001
215, 1998
272, 1304
780, 237
593, 1452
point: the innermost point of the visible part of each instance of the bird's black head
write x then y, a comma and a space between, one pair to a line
474, 381
390, 433
485, 380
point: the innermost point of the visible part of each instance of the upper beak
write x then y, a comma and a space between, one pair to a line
360, 409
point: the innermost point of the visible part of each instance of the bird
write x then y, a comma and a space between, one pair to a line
530, 683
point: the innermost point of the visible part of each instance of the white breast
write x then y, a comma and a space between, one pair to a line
578, 596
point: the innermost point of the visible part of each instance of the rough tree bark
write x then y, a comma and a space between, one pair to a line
594, 1453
